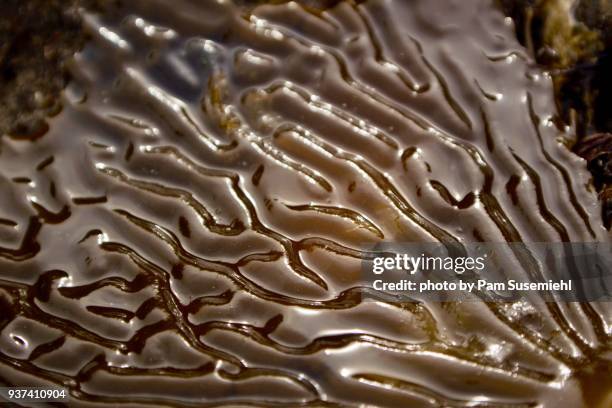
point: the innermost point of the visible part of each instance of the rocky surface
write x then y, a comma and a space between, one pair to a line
36, 39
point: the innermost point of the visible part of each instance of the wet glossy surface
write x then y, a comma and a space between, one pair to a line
190, 228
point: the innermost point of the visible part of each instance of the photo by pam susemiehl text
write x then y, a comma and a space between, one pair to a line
480, 284
491, 271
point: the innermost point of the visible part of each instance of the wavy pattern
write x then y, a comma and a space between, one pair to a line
189, 232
